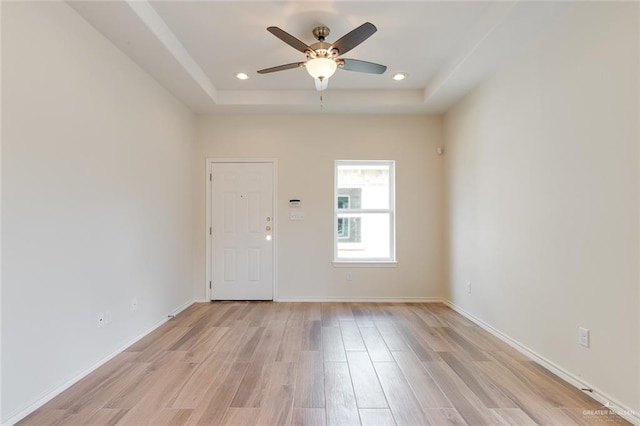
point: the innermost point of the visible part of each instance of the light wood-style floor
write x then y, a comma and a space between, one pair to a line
319, 363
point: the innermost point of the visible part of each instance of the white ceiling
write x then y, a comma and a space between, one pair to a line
195, 48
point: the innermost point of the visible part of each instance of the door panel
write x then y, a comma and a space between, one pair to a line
242, 230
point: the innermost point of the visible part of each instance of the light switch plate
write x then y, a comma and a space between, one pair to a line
296, 215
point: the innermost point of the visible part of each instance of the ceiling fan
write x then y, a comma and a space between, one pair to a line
324, 58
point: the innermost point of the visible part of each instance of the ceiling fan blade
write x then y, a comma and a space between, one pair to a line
321, 84
282, 67
362, 66
289, 39
354, 38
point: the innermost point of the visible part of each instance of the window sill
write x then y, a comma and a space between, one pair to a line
365, 263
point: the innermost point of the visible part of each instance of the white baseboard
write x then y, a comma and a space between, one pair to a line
181, 308
57, 391
364, 299
608, 402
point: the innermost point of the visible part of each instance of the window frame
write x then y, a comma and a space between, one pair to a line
391, 211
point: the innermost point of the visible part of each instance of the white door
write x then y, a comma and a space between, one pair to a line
242, 231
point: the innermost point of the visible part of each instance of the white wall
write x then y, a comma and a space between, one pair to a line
97, 190
543, 197
306, 147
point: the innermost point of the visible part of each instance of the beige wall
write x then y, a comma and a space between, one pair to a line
100, 165
542, 179
306, 147
96, 200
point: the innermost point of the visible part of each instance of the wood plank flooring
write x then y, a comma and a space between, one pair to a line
241, 363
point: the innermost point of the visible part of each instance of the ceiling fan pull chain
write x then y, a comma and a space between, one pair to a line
321, 102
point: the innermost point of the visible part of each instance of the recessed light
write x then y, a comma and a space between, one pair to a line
242, 76
399, 76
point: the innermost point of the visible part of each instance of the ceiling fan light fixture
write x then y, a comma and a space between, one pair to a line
399, 76
321, 68
242, 76
321, 84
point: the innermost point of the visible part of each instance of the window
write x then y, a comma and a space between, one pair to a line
364, 211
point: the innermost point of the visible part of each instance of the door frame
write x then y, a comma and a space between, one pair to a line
209, 267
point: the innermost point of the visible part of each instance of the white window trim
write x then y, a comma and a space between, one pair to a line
366, 262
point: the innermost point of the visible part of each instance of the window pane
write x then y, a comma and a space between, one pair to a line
363, 236
344, 199
349, 229
365, 186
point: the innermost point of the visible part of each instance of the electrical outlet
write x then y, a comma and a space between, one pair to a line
469, 287
134, 304
107, 317
349, 276
583, 336
100, 319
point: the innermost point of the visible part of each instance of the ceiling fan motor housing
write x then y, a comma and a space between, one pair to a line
320, 48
